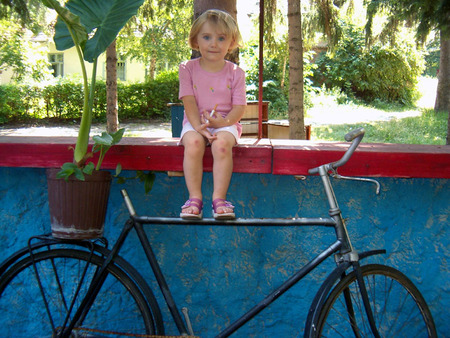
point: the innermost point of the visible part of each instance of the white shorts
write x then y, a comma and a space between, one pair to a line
231, 129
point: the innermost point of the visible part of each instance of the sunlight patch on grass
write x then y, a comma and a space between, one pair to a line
428, 128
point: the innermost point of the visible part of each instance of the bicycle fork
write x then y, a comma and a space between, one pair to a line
366, 303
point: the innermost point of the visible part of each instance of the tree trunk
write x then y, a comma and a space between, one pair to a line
296, 118
228, 6
443, 89
152, 72
112, 119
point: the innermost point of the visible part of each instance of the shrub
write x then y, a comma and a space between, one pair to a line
378, 73
19, 103
63, 100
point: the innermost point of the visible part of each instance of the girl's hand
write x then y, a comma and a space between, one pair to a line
204, 131
216, 120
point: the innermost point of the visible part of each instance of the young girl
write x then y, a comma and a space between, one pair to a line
213, 93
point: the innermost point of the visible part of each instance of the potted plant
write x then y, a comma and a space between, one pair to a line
90, 26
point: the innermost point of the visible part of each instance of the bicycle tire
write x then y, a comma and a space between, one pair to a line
398, 306
119, 307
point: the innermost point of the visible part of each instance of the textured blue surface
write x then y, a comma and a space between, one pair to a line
219, 272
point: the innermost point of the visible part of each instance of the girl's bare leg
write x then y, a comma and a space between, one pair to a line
194, 149
222, 151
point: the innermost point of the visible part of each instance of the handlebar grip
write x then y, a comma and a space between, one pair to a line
355, 136
350, 136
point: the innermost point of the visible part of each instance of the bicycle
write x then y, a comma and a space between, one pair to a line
69, 281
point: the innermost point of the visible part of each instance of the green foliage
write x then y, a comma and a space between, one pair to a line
26, 59
93, 24
148, 178
377, 73
68, 169
275, 81
149, 99
63, 100
432, 58
19, 103
102, 143
157, 36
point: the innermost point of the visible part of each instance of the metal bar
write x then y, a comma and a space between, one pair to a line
261, 66
311, 265
164, 287
303, 221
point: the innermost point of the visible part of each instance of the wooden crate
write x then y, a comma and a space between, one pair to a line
250, 120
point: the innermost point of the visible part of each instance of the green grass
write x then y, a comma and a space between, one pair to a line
429, 128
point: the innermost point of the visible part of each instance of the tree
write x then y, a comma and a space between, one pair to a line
296, 105
428, 15
17, 8
28, 60
26, 13
157, 36
112, 116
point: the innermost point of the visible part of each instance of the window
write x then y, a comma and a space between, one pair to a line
57, 64
121, 70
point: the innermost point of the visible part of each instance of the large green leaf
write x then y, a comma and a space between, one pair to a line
102, 19
68, 19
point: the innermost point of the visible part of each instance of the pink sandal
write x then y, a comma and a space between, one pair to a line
221, 203
192, 202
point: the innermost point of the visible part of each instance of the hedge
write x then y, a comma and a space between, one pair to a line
63, 100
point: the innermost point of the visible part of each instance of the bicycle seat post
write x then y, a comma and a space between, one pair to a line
128, 203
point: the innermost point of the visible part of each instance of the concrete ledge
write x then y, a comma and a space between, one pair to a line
280, 157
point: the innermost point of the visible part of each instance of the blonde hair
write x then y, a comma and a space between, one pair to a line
225, 23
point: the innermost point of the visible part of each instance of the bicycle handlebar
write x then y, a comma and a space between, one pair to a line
355, 136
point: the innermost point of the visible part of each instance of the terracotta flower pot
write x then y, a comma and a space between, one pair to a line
78, 208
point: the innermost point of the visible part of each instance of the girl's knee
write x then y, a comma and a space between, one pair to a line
193, 141
222, 148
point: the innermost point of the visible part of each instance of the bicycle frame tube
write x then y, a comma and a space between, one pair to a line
140, 220
335, 247
160, 278
301, 221
305, 270
335, 212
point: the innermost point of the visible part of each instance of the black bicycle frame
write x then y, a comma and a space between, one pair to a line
140, 221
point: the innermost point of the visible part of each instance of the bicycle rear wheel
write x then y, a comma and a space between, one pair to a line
398, 307
65, 276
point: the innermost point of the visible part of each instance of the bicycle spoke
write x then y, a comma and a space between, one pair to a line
398, 308
65, 277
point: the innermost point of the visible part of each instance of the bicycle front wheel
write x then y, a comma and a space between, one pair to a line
64, 275
398, 307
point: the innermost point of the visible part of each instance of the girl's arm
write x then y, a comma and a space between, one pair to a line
193, 116
234, 116
191, 110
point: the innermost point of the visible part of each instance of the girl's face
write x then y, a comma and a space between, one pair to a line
213, 44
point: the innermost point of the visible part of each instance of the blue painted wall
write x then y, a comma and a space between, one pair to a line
219, 272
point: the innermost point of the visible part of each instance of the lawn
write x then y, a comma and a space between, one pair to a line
383, 123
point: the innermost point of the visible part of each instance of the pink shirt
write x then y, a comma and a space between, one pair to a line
225, 88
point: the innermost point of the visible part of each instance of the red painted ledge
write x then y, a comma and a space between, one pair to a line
279, 157
370, 159
133, 153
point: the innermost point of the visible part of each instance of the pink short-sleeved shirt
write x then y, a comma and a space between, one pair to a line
225, 88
